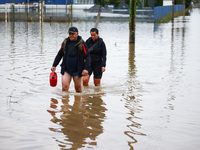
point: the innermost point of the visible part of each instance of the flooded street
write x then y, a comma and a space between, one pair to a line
149, 98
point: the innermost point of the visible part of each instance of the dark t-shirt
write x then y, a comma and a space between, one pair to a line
72, 58
98, 54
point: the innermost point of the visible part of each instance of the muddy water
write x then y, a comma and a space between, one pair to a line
149, 98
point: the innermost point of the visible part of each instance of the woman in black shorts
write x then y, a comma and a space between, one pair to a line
97, 49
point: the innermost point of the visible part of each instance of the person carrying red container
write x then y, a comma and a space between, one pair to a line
75, 60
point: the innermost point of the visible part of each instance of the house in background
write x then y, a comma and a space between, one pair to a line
167, 2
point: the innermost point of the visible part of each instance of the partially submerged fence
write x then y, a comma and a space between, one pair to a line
161, 11
61, 13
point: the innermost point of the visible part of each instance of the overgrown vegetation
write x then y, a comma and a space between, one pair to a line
115, 2
146, 4
158, 3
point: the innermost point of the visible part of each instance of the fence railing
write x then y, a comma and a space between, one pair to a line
63, 13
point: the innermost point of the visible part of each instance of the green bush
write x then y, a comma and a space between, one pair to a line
158, 3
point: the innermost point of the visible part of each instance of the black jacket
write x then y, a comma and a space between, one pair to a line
98, 54
83, 57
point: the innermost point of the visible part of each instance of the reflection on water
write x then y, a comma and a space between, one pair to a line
177, 58
132, 101
81, 122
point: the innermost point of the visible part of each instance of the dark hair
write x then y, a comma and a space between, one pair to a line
94, 30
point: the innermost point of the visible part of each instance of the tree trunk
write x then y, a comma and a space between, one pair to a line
98, 17
132, 21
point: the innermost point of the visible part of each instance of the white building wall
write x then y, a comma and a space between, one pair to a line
167, 2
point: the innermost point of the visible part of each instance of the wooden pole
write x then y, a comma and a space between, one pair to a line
132, 21
6, 13
71, 13
66, 9
183, 7
40, 19
42, 10
172, 10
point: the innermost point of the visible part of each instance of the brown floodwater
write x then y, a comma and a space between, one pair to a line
149, 98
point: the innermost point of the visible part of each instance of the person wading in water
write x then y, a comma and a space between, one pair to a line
97, 49
76, 60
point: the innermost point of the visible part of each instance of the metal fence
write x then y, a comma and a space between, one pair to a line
162, 11
62, 13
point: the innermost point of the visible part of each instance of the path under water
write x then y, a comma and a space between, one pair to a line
149, 98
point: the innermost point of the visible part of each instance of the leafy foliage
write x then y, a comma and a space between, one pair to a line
115, 2
138, 2
146, 3
158, 3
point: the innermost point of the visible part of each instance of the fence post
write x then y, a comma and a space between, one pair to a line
6, 12
172, 10
42, 9
71, 13
184, 8
66, 10
40, 12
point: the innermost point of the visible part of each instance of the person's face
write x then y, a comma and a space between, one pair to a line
73, 36
94, 35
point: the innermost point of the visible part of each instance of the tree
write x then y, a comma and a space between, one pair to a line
138, 2
146, 3
158, 3
115, 2
101, 3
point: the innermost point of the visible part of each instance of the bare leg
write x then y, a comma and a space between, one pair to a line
77, 84
97, 82
86, 80
66, 79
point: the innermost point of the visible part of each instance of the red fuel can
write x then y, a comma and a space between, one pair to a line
53, 79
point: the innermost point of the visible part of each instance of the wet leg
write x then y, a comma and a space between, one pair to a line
97, 82
77, 84
66, 79
86, 80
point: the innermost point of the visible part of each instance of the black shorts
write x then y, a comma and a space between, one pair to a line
96, 69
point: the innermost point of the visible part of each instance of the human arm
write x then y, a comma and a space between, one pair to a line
86, 57
104, 54
57, 59
84, 72
53, 69
103, 69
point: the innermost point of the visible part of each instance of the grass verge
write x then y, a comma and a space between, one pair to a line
168, 17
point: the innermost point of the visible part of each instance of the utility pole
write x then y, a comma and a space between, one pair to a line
172, 10
132, 21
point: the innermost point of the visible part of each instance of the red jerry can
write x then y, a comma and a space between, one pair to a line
53, 79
